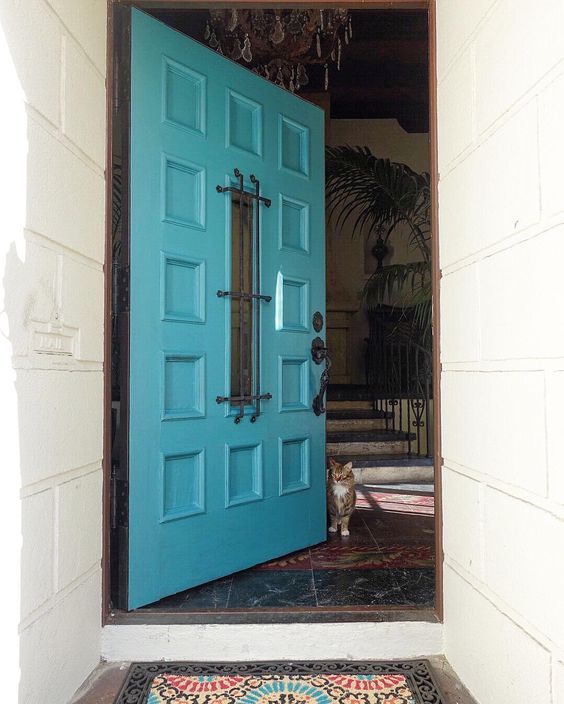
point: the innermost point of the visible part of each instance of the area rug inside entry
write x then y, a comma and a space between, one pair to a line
409, 682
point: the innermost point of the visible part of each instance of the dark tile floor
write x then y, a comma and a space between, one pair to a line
388, 560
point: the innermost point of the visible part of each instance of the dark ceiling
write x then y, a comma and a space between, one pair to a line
384, 71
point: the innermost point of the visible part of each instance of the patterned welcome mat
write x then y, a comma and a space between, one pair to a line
409, 682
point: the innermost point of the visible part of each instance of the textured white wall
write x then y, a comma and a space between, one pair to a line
501, 154
52, 59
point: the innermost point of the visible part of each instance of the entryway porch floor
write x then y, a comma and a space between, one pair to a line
105, 682
388, 561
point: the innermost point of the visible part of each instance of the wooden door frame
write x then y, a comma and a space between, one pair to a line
430, 7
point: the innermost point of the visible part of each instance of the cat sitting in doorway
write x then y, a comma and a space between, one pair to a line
341, 495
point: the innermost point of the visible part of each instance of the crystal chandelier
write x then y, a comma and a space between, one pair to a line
280, 44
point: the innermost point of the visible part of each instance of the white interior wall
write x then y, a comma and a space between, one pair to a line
501, 151
52, 56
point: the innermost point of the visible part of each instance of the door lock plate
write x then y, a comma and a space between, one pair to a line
317, 321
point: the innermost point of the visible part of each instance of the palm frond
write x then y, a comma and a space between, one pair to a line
407, 281
377, 195
404, 286
374, 196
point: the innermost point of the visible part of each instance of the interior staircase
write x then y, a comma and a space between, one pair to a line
358, 433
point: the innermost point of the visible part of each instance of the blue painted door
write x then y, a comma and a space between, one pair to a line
209, 495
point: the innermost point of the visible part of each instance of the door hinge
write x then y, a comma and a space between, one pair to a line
120, 502
121, 289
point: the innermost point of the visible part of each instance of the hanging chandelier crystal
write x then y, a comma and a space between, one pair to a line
281, 44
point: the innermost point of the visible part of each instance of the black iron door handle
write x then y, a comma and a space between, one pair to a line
318, 350
318, 404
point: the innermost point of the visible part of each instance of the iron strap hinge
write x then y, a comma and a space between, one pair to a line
121, 289
119, 502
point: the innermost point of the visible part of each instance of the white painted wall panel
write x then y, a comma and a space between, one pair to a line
485, 428
462, 503
82, 289
81, 114
515, 321
460, 313
34, 38
501, 213
78, 527
86, 22
500, 661
555, 434
551, 140
31, 294
64, 194
38, 521
558, 682
456, 23
456, 96
514, 530
494, 192
60, 648
62, 413
513, 53
51, 337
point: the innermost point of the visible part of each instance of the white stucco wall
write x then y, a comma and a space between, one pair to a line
501, 154
52, 62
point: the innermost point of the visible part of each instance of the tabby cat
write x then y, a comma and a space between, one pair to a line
341, 496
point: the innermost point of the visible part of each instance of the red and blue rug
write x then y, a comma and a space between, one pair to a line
392, 502
337, 555
280, 683
334, 556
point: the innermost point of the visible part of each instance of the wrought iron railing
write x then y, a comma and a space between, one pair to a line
398, 368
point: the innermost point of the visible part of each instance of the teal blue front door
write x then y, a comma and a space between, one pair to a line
227, 458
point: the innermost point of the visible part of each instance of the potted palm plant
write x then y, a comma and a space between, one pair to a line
379, 198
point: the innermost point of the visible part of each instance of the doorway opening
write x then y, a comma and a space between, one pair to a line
374, 89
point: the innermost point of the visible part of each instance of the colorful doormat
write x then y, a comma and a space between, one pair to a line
409, 682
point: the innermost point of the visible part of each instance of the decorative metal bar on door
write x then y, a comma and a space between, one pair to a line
245, 372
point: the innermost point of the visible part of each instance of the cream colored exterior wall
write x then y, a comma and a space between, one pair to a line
52, 61
501, 151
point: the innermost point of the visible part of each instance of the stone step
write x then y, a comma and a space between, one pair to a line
349, 392
380, 442
385, 460
355, 424
389, 469
350, 405
415, 488
357, 414
398, 447
367, 436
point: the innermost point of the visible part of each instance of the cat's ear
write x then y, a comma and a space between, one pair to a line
348, 467
332, 463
